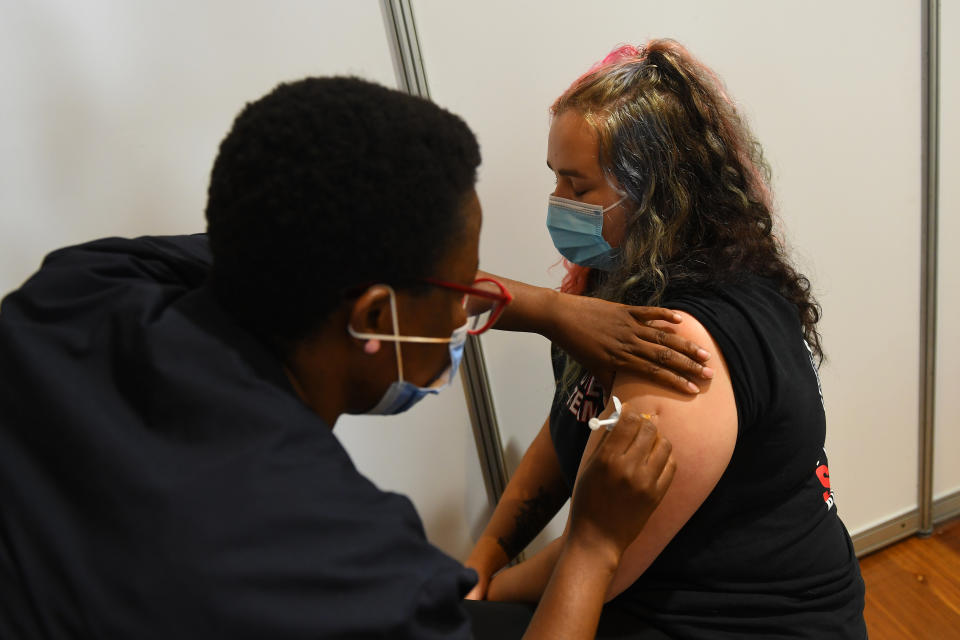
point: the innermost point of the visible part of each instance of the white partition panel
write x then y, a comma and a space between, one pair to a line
112, 111
833, 92
110, 118
946, 476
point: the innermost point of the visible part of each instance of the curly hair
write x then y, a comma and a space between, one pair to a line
328, 184
672, 139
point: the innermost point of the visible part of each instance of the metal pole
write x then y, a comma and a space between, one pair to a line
412, 78
928, 309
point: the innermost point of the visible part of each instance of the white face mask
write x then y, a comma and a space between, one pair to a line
401, 394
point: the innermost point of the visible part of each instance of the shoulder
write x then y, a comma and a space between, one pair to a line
716, 397
193, 249
757, 330
71, 276
744, 304
690, 327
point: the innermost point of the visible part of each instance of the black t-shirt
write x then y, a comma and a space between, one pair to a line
159, 478
765, 555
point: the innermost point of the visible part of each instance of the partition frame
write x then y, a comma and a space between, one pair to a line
411, 77
928, 306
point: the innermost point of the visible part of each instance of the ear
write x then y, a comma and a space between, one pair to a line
372, 312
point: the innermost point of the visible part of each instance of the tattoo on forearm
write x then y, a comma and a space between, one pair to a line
532, 515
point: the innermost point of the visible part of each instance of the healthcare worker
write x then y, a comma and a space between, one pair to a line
167, 462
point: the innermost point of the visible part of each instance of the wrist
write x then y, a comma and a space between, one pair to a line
551, 309
603, 551
487, 556
494, 590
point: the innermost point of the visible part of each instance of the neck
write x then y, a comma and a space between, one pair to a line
315, 369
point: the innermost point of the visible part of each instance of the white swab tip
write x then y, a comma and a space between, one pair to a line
596, 423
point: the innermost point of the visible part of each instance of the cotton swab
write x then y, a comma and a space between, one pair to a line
596, 423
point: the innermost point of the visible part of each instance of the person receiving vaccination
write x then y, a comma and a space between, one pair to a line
662, 198
168, 467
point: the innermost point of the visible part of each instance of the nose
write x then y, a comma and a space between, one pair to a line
562, 191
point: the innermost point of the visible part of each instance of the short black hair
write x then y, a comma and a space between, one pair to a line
328, 184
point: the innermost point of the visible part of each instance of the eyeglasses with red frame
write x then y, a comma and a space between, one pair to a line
483, 302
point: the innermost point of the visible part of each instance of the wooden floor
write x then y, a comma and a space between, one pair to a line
913, 587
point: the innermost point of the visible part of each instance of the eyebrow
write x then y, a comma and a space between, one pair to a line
570, 173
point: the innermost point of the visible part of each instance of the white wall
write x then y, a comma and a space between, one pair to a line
111, 115
837, 106
946, 479
112, 111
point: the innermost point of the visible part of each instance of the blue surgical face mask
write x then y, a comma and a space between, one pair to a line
577, 232
402, 394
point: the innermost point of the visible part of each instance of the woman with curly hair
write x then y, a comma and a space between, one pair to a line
662, 198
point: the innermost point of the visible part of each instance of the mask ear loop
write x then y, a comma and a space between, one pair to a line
396, 331
624, 195
396, 338
615, 204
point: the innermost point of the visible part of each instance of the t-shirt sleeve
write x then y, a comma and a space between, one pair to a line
730, 323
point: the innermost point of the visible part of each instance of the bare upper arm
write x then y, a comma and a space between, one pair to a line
703, 432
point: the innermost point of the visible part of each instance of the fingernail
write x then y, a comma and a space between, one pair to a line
693, 387
707, 372
703, 354
677, 317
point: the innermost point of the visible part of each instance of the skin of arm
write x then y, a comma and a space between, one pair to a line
525, 582
632, 465
535, 493
525, 313
573, 600
703, 431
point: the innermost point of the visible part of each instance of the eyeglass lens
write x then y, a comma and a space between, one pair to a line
480, 311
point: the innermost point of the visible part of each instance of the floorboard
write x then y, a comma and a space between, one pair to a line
913, 587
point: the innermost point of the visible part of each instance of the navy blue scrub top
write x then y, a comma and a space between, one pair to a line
159, 478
